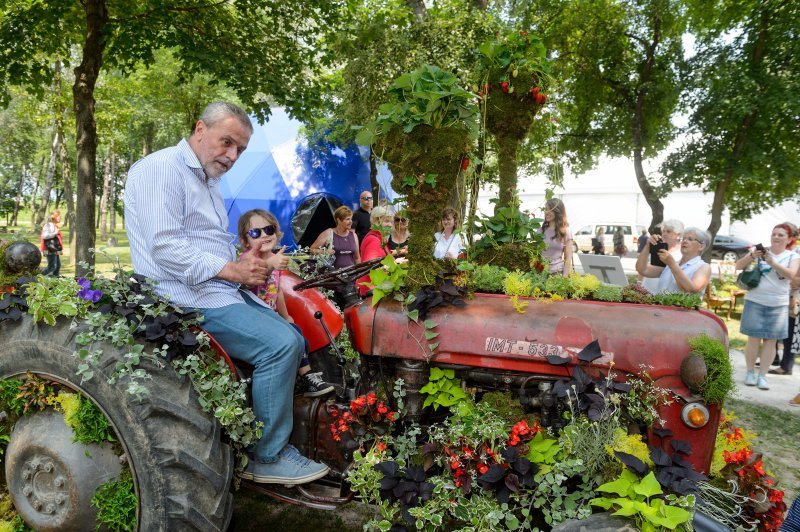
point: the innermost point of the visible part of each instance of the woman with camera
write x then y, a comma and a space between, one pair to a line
671, 231
765, 317
52, 244
690, 274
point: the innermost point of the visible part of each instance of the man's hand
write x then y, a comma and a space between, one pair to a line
278, 261
252, 270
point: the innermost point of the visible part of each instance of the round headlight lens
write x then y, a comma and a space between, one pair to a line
695, 415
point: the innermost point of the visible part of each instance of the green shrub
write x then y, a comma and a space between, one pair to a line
489, 278
116, 503
608, 292
718, 384
517, 283
677, 299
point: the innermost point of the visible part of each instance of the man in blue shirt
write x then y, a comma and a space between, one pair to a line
177, 227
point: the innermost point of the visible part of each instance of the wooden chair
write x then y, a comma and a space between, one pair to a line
714, 302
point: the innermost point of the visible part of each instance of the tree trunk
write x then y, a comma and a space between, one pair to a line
47, 187
373, 177
69, 197
475, 185
418, 6
112, 199
656, 207
18, 203
104, 195
507, 170
147, 141
86, 75
721, 190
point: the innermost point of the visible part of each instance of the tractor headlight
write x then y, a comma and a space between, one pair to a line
695, 415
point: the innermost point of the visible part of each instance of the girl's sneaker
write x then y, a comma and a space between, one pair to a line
762, 383
750, 378
312, 385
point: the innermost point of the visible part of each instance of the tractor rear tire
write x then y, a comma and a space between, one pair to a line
181, 468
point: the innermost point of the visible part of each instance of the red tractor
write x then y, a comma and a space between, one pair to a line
183, 466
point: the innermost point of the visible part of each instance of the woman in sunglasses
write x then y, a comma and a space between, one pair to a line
259, 230
398, 238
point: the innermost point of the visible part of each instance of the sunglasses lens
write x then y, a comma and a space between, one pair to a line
256, 232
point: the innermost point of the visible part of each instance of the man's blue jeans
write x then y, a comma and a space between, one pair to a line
259, 336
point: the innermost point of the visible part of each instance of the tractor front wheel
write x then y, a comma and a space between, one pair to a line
181, 468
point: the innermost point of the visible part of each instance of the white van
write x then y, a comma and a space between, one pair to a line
582, 238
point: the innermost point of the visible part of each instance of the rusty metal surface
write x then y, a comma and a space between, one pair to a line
298, 495
303, 305
489, 333
312, 434
52, 479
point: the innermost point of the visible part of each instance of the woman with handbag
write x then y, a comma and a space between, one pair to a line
52, 244
765, 315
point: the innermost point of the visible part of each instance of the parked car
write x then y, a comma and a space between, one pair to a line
582, 238
729, 248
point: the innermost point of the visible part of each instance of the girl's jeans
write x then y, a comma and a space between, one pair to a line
259, 336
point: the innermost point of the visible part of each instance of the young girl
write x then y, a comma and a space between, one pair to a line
259, 229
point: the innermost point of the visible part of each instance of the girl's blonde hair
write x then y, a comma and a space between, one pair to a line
244, 221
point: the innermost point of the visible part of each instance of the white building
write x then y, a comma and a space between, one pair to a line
610, 193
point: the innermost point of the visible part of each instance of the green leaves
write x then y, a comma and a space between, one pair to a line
638, 498
428, 96
387, 280
443, 389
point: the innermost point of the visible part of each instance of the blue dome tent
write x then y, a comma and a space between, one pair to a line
301, 186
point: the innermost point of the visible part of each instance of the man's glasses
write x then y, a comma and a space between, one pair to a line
689, 239
400, 220
255, 232
366, 198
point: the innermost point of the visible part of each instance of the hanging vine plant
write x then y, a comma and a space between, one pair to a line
513, 73
424, 132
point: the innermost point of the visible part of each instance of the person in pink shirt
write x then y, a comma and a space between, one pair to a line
558, 237
375, 243
259, 230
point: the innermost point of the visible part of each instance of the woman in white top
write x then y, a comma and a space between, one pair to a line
448, 242
671, 231
765, 317
690, 274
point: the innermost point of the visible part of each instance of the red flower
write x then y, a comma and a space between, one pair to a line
454, 463
382, 408
482, 468
381, 446
776, 495
372, 398
759, 467
390, 416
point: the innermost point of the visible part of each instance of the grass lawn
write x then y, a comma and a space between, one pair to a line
105, 257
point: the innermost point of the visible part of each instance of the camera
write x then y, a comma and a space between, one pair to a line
760, 247
655, 260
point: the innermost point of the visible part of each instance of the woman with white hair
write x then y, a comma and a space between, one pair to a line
690, 274
671, 231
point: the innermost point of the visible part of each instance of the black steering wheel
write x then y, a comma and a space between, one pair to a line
342, 276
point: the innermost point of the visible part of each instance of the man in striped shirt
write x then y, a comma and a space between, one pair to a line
177, 227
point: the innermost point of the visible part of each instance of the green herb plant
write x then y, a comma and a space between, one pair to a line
51, 297
388, 280
116, 503
641, 499
718, 384
443, 389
